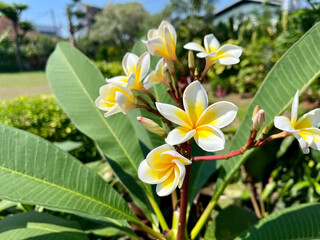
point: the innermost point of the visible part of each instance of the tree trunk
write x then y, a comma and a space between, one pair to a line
19, 63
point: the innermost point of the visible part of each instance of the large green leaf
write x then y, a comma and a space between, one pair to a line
298, 222
39, 226
34, 171
230, 222
76, 81
296, 70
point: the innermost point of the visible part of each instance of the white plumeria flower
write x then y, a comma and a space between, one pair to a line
305, 129
162, 41
157, 76
199, 121
165, 167
115, 98
228, 54
135, 69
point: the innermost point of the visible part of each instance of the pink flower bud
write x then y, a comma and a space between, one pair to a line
258, 120
151, 126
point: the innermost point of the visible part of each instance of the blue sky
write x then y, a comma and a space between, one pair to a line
39, 11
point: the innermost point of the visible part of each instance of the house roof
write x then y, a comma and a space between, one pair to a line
5, 23
241, 2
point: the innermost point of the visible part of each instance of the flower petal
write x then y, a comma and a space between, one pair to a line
132, 82
211, 44
122, 80
169, 185
294, 108
309, 120
115, 109
143, 66
302, 137
219, 114
181, 170
102, 104
194, 46
154, 157
284, 124
151, 176
125, 103
204, 54
170, 43
229, 54
129, 63
172, 32
210, 138
316, 137
157, 47
195, 101
169, 156
173, 113
179, 135
151, 80
152, 33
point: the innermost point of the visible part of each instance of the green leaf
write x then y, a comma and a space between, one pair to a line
68, 145
4, 34
39, 226
4, 204
297, 69
76, 82
230, 222
34, 171
298, 222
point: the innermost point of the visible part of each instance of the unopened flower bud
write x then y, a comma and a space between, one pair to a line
191, 59
255, 110
151, 126
258, 120
196, 73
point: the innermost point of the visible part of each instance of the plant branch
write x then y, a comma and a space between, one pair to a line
206, 69
149, 230
252, 191
181, 235
159, 214
250, 144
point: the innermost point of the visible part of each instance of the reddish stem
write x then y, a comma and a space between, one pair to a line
219, 157
183, 205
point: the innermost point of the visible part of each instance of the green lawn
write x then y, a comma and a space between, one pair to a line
21, 84
23, 79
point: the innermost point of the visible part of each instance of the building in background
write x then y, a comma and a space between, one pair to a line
90, 13
50, 31
249, 8
5, 23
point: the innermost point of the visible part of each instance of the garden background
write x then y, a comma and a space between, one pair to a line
264, 29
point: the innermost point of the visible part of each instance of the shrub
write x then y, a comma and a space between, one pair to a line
41, 115
109, 69
37, 50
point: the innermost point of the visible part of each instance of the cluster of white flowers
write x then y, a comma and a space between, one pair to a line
164, 166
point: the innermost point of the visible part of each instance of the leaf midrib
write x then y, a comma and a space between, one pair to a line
67, 190
98, 112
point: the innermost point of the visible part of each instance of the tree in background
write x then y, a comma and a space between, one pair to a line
13, 12
191, 18
74, 15
120, 24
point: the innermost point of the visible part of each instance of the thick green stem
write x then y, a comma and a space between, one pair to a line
159, 214
204, 217
149, 230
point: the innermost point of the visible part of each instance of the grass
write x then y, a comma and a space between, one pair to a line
24, 79
21, 84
